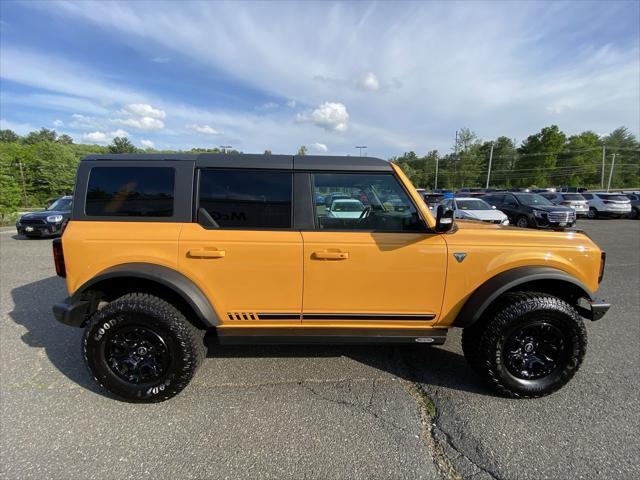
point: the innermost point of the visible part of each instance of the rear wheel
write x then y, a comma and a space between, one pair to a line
528, 345
142, 348
634, 214
593, 213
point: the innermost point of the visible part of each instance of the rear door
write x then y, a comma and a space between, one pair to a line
382, 268
243, 252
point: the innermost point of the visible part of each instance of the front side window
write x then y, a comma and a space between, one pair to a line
61, 205
130, 192
363, 201
246, 199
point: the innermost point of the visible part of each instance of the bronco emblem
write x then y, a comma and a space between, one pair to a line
460, 256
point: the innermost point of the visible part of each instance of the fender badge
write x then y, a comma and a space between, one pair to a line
460, 256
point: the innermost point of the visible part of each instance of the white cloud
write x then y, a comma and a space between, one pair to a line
204, 129
160, 59
58, 123
147, 143
84, 122
97, 137
143, 110
319, 147
329, 115
103, 137
269, 105
291, 103
370, 82
147, 124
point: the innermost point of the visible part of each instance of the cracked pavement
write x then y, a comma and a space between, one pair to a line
314, 412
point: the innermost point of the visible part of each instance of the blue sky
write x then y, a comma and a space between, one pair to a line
392, 76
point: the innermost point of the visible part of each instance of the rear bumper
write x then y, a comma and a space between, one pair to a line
595, 310
70, 312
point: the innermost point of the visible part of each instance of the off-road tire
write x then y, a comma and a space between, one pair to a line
635, 213
593, 213
523, 222
484, 342
183, 344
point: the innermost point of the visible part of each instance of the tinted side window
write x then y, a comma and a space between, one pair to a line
510, 200
130, 192
587, 196
247, 198
364, 201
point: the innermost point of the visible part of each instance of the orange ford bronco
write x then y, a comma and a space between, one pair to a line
286, 249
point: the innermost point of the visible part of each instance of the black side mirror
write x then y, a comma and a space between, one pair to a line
444, 219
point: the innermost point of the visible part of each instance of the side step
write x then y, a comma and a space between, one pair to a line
310, 335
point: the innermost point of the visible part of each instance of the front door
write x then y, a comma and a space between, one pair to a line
242, 252
370, 260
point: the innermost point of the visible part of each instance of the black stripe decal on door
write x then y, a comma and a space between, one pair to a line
366, 316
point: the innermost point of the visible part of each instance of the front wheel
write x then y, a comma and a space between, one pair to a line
593, 213
528, 345
142, 349
522, 222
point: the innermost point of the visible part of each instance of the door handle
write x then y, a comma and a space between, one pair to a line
202, 253
324, 255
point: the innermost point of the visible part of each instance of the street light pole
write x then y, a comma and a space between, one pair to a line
613, 162
602, 175
360, 147
489, 171
435, 186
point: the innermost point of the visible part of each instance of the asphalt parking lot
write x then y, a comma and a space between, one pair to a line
315, 412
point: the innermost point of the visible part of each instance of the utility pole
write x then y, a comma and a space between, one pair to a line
435, 186
455, 163
24, 188
489, 171
602, 176
360, 147
613, 162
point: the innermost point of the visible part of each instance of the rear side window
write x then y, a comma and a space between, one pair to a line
587, 196
246, 199
130, 192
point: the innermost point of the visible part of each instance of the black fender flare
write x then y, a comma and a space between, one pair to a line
165, 276
489, 291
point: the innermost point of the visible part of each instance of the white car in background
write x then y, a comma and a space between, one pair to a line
345, 208
568, 199
470, 208
602, 204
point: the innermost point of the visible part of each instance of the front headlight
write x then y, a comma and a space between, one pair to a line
54, 218
539, 213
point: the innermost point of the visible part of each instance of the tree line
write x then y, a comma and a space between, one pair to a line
41, 165
549, 158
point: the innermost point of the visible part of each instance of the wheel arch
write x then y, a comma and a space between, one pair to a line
536, 279
158, 280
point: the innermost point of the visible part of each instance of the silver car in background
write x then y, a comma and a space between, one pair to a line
573, 200
602, 204
470, 208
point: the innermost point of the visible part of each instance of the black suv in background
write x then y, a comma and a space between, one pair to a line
531, 210
46, 223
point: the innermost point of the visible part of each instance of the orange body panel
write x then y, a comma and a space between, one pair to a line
92, 247
385, 273
261, 272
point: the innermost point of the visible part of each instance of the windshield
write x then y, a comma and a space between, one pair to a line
531, 199
354, 206
473, 205
572, 196
61, 205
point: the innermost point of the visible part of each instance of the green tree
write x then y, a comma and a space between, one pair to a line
66, 139
8, 136
267, 152
42, 135
122, 145
625, 146
579, 164
302, 150
538, 156
9, 186
468, 162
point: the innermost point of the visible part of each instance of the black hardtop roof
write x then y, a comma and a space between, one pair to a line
280, 162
